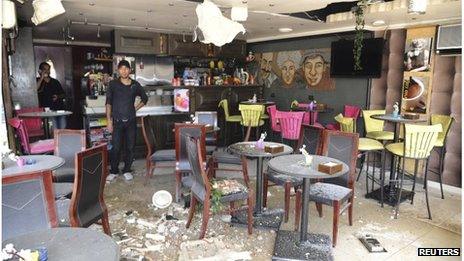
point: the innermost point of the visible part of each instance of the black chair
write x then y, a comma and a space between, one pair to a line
27, 204
67, 144
154, 156
87, 205
336, 192
311, 137
201, 189
209, 118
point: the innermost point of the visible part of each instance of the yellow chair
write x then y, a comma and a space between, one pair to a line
229, 119
251, 116
374, 128
440, 144
419, 141
365, 146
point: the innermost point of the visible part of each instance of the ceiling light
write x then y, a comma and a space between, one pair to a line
271, 5
378, 22
239, 13
132, 19
8, 14
285, 30
98, 31
171, 4
91, 3
417, 6
46, 10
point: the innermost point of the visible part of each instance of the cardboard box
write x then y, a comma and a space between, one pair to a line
329, 167
273, 149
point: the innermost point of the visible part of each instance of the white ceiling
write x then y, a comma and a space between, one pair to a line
179, 16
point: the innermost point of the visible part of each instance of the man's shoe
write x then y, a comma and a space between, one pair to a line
128, 176
111, 177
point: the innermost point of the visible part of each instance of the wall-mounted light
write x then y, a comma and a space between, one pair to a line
45, 10
8, 14
417, 6
98, 31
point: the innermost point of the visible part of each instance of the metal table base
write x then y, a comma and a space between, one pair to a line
389, 196
288, 247
268, 219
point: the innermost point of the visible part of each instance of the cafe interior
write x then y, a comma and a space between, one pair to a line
260, 130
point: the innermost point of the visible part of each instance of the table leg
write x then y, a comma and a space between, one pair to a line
304, 211
259, 186
46, 128
391, 188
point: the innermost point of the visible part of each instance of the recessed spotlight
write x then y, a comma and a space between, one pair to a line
149, 11
271, 5
378, 22
268, 18
271, 27
302, 24
81, 13
132, 19
91, 3
171, 4
244, 2
413, 18
184, 15
285, 30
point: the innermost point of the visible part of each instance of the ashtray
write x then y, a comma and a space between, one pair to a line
273, 148
329, 167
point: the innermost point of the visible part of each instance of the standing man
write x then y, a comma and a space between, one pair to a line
50, 94
120, 114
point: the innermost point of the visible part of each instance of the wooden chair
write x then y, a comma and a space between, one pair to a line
209, 118
201, 189
154, 156
87, 205
336, 192
311, 137
38, 147
182, 161
28, 203
67, 144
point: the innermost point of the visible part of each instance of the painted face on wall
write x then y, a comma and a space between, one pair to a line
314, 68
288, 69
265, 65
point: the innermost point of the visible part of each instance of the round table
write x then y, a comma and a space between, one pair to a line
45, 115
248, 149
293, 165
72, 244
43, 162
398, 120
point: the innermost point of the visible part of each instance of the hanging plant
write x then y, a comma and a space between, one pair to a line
358, 12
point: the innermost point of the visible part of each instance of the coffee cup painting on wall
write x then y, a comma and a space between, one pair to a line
415, 94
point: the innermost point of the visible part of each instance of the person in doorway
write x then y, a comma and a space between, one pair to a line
120, 114
51, 94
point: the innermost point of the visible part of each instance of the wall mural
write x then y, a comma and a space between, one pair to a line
309, 69
415, 94
417, 54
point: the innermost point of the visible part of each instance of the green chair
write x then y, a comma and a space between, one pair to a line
366, 146
229, 119
440, 144
251, 116
419, 141
374, 128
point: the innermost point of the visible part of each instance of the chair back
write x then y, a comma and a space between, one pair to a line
87, 204
271, 110
33, 125
351, 111
346, 124
21, 131
182, 132
344, 147
207, 117
28, 203
290, 123
200, 183
251, 114
148, 136
68, 143
311, 137
225, 106
371, 124
445, 121
419, 140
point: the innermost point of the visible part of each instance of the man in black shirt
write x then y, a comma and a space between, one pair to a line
50, 94
120, 114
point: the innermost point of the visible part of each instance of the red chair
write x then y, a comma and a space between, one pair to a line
310, 114
38, 147
350, 111
33, 125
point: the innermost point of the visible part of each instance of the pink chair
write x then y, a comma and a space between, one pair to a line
38, 147
290, 123
34, 126
349, 111
275, 126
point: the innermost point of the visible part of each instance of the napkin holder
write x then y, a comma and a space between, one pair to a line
329, 167
273, 149
411, 116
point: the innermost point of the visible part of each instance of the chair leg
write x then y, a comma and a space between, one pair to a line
427, 191
106, 223
193, 204
336, 215
297, 209
287, 199
178, 184
350, 211
440, 170
374, 155
250, 214
400, 189
205, 218
231, 208
416, 165
265, 188
319, 209
382, 177
363, 160
367, 172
